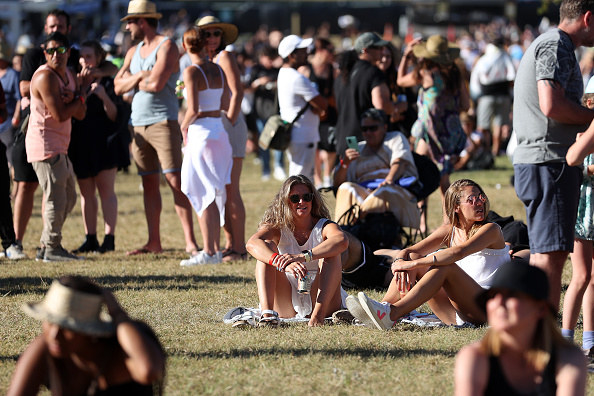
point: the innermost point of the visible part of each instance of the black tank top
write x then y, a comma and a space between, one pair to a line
498, 384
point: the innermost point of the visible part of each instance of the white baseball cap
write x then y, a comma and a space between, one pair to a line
291, 43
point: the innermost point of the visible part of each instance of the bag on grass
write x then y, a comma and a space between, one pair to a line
377, 230
276, 133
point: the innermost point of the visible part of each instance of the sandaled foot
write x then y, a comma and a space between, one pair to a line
270, 320
234, 256
143, 250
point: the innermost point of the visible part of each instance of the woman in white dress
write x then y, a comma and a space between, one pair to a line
296, 237
448, 269
206, 168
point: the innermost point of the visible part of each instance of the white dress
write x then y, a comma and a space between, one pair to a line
288, 244
206, 167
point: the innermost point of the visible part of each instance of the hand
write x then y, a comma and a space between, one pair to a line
386, 182
97, 89
405, 280
402, 265
409, 48
315, 321
67, 96
297, 269
350, 155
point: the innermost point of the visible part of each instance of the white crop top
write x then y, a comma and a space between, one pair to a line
209, 99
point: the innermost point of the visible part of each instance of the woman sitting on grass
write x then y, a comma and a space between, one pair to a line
523, 352
447, 269
81, 353
295, 238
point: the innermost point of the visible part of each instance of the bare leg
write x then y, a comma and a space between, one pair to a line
326, 290
183, 209
588, 304
88, 204
152, 210
552, 264
105, 181
328, 160
23, 207
235, 212
581, 264
318, 168
210, 227
274, 290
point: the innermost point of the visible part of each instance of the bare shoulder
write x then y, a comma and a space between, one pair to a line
571, 355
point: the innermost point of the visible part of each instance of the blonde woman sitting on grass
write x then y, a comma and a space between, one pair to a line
296, 237
447, 269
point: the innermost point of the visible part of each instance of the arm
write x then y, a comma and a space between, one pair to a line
229, 65
319, 104
31, 370
125, 81
470, 371
108, 105
405, 78
191, 84
554, 104
583, 146
571, 372
46, 86
144, 358
392, 173
166, 64
380, 97
340, 173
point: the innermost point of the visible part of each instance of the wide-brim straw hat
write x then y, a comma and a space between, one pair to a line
73, 310
142, 9
437, 49
230, 31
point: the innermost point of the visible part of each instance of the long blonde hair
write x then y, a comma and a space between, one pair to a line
452, 201
279, 214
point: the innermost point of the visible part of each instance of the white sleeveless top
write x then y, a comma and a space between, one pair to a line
209, 99
288, 243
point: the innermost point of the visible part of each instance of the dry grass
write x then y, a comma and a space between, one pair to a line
185, 307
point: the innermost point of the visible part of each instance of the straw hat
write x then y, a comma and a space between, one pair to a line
72, 310
437, 49
142, 9
230, 31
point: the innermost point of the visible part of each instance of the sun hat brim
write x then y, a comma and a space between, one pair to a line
146, 15
420, 51
230, 31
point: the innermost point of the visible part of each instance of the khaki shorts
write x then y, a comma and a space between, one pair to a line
157, 146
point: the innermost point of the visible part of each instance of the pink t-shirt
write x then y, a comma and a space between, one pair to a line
47, 137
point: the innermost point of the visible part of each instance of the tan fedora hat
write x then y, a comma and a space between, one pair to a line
72, 309
437, 49
230, 31
142, 9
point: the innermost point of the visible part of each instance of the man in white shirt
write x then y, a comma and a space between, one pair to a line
295, 91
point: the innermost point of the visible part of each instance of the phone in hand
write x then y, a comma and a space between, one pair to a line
352, 142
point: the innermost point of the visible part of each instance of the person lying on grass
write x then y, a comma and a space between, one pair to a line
81, 353
447, 269
523, 351
296, 238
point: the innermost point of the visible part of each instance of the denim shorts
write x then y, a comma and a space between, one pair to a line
550, 193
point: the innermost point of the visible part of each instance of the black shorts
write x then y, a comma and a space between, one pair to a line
23, 171
370, 274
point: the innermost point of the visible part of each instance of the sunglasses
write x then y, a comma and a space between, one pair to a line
474, 199
295, 198
370, 128
59, 50
216, 33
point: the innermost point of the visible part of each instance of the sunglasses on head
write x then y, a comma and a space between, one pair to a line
295, 198
59, 50
370, 128
216, 33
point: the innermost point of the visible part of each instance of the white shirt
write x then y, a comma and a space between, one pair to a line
493, 67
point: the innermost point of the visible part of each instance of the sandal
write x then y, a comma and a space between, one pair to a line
232, 255
269, 321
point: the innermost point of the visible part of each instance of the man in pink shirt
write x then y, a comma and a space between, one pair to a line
54, 102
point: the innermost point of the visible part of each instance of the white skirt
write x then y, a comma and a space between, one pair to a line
206, 167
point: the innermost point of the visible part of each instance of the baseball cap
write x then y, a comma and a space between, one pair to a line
369, 39
291, 43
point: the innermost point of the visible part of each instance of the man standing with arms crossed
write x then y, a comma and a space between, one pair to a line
151, 68
547, 117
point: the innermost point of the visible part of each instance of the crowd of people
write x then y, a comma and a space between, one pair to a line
361, 125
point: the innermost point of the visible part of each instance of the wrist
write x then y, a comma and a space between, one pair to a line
344, 164
308, 255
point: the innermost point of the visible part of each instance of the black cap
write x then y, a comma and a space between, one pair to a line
519, 276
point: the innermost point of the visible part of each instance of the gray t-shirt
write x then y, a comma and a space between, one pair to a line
542, 139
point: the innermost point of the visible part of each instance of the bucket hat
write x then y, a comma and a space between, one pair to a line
73, 310
437, 49
292, 42
142, 9
229, 30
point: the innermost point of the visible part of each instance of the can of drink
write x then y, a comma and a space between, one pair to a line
304, 284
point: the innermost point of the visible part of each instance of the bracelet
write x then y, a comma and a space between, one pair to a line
397, 259
308, 255
343, 165
272, 259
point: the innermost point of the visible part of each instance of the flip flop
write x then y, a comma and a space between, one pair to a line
235, 256
142, 250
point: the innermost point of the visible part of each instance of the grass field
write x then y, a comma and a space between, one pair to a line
185, 307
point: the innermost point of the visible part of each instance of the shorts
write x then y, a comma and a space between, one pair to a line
157, 146
550, 193
23, 170
493, 110
237, 133
371, 273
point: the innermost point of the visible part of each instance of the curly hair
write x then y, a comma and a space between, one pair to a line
279, 215
452, 201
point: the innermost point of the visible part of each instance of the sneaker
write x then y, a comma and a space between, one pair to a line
355, 308
58, 254
89, 245
279, 174
15, 252
377, 311
40, 252
202, 258
265, 177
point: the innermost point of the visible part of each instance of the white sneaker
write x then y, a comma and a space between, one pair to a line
377, 311
279, 174
15, 252
355, 308
202, 258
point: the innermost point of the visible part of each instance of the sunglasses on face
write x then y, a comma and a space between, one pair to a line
369, 128
216, 33
132, 20
295, 198
474, 199
59, 50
